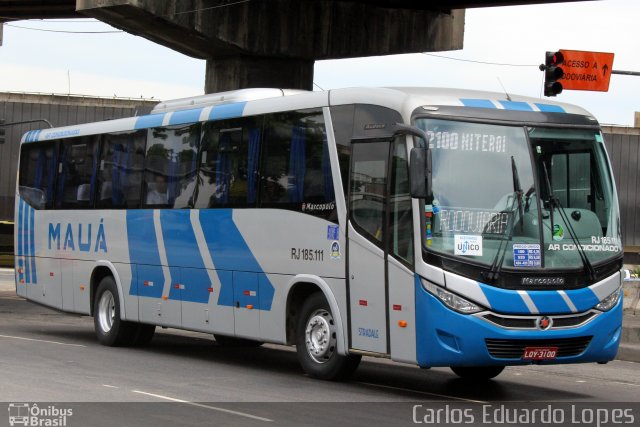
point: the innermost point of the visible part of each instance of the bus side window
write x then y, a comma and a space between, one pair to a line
38, 168
368, 185
76, 184
120, 170
296, 169
170, 166
401, 225
228, 163
342, 119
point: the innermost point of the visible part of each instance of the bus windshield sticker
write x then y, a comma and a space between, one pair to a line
333, 232
558, 232
468, 245
467, 141
335, 250
472, 221
599, 247
526, 255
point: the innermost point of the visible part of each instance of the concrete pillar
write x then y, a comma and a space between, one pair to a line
251, 71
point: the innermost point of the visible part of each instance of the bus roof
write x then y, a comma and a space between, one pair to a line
248, 102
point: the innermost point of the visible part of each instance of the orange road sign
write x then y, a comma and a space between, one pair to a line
586, 70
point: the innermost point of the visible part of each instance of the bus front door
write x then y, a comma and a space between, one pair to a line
381, 254
366, 256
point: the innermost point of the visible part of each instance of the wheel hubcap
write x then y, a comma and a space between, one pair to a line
106, 311
320, 336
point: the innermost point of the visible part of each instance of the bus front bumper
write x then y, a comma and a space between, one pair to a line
448, 338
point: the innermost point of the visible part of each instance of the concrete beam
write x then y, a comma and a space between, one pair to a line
302, 29
275, 42
27, 9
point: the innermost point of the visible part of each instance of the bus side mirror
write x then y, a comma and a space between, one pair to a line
420, 173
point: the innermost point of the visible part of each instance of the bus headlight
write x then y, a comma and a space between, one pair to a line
609, 302
450, 299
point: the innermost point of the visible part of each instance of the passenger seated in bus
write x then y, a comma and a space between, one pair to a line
157, 191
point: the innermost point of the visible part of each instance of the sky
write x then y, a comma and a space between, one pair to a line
123, 65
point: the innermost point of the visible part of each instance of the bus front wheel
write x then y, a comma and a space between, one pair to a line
110, 329
316, 342
477, 372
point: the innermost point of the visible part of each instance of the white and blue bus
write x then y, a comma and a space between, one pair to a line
434, 227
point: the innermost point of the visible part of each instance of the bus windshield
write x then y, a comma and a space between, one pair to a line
516, 197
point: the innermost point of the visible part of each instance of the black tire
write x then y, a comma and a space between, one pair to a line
478, 373
227, 341
110, 329
318, 355
144, 334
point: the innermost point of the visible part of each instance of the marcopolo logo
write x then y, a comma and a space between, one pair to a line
25, 414
467, 245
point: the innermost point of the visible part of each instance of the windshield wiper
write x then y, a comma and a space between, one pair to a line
554, 202
517, 189
496, 265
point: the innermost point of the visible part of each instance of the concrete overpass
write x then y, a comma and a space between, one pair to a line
273, 43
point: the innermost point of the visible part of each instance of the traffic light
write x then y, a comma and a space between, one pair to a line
1, 131
552, 73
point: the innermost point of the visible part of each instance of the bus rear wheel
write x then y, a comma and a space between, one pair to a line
477, 372
110, 329
316, 343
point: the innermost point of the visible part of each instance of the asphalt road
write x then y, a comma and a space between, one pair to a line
185, 378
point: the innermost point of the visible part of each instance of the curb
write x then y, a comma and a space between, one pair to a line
629, 352
631, 300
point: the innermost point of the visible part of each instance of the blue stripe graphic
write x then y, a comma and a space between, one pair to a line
584, 299
235, 263
186, 116
19, 248
549, 302
230, 251
143, 252
25, 242
182, 251
150, 121
477, 103
504, 301
20, 213
227, 111
32, 245
548, 108
516, 106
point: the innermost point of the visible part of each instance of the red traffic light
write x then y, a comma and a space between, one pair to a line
554, 59
552, 73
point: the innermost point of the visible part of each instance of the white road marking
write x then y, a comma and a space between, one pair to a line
423, 392
109, 386
45, 341
199, 405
